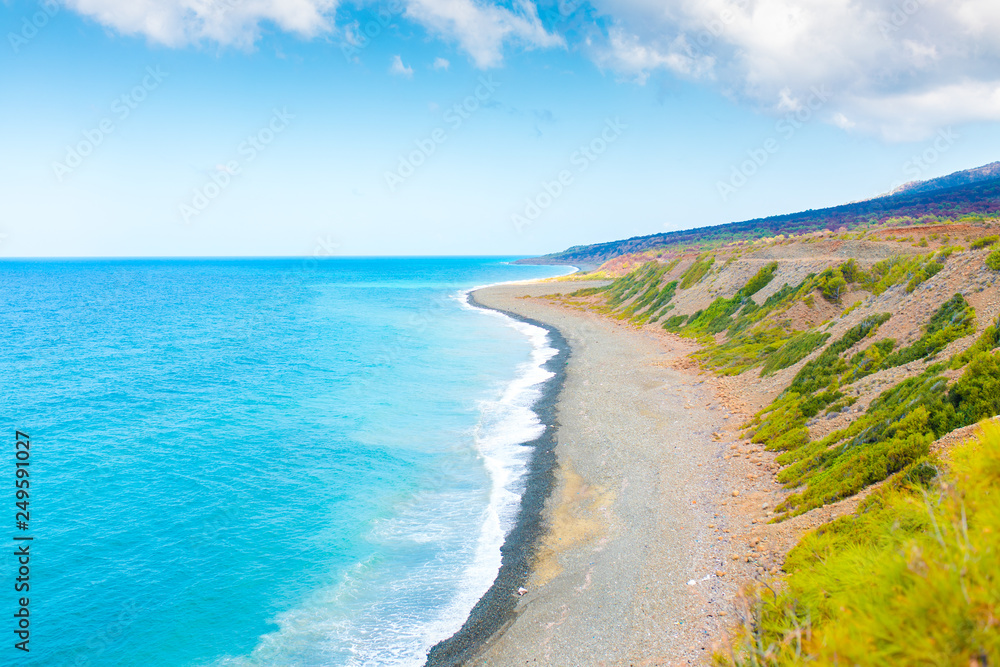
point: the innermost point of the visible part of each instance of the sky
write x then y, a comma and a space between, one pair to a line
469, 127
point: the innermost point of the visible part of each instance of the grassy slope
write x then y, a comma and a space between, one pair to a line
861, 589
740, 336
912, 578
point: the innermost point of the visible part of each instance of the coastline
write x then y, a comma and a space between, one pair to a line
619, 540
496, 608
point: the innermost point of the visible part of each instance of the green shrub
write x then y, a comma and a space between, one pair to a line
832, 284
909, 579
645, 278
793, 351
897, 427
945, 252
759, 281
890, 272
823, 370
792, 439
976, 395
868, 361
694, 273
639, 295
654, 298
833, 288
850, 271
983, 242
718, 316
953, 320
841, 404
987, 341
656, 307
675, 323
896, 430
993, 261
925, 272
744, 351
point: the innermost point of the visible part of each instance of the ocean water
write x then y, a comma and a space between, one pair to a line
260, 462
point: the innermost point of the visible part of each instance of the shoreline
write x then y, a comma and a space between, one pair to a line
495, 610
630, 540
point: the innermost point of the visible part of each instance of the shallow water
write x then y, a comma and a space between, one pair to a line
263, 462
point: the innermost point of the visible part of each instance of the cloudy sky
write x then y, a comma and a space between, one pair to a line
296, 127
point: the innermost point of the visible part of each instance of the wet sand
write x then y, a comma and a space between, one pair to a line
629, 568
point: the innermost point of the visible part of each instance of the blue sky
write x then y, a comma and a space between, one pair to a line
275, 127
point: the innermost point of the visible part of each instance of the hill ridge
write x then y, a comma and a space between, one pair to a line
981, 198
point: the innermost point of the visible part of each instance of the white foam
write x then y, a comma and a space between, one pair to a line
344, 624
505, 426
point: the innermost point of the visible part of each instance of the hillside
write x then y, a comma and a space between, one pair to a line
970, 201
987, 172
861, 358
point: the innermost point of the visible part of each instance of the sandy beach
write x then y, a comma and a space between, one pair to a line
637, 509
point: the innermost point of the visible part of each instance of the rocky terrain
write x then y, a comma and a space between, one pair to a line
913, 309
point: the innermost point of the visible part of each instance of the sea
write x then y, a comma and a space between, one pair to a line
249, 462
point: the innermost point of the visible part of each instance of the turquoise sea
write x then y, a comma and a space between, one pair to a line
260, 462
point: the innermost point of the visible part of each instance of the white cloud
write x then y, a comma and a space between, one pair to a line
441, 63
481, 28
787, 101
911, 115
229, 22
898, 68
842, 121
399, 69
628, 54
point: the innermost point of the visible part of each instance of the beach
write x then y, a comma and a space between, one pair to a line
634, 564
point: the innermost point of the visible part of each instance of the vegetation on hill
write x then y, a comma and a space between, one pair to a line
971, 201
910, 578
756, 335
987, 172
876, 330
738, 335
993, 261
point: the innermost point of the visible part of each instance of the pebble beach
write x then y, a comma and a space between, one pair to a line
630, 569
